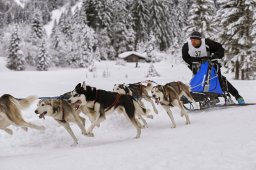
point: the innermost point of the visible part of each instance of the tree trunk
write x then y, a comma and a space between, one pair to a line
242, 73
237, 70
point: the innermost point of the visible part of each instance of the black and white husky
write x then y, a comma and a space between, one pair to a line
105, 102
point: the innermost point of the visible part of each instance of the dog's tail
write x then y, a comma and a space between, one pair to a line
25, 102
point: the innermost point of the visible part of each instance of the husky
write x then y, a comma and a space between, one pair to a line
168, 97
138, 91
106, 102
63, 113
10, 113
91, 114
182, 90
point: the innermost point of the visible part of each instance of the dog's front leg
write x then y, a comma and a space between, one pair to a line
101, 117
69, 130
182, 110
169, 112
145, 124
152, 103
80, 123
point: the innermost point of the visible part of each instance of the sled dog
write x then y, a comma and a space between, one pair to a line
91, 114
138, 91
182, 90
106, 102
167, 97
10, 113
63, 113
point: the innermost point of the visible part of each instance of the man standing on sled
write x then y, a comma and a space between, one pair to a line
198, 49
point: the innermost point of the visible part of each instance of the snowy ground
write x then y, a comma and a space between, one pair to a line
216, 140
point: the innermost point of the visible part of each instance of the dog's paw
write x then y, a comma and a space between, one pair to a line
74, 144
25, 128
173, 126
144, 126
84, 133
187, 122
90, 134
9, 131
150, 116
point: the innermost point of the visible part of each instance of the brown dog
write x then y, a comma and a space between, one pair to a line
168, 97
10, 113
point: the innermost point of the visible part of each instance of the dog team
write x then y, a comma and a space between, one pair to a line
96, 104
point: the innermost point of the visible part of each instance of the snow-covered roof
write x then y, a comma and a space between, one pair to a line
128, 53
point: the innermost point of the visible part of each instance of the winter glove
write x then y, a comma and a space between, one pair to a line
204, 59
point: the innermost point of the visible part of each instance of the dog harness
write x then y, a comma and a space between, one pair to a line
114, 103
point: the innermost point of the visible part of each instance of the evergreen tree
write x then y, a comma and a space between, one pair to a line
250, 58
98, 13
200, 17
59, 47
15, 60
181, 13
140, 15
106, 50
159, 23
43, 60
237, 18
34, 41
152, 72
37, 25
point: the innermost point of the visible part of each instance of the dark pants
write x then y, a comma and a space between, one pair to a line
225, 84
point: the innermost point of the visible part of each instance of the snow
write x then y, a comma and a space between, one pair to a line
215, 140
54, 16
19, 3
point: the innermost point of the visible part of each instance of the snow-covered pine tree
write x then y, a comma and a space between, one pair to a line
34, 40
98, 13
15, 59
159, 23
181, 13
152, 72
106, 50
58, 48
43, 60
140, 15
237, 18
37, 25
200, 18
120, 31
248, 67
252, 50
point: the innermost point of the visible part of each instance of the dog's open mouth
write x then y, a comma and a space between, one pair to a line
41, 115
77, 104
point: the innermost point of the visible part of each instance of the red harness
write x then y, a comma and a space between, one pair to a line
113, 104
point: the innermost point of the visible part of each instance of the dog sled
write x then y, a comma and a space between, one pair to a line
207, 88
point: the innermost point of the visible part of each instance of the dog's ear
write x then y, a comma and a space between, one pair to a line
94, 90
56, 105
78, 86
84, 85
88, 89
